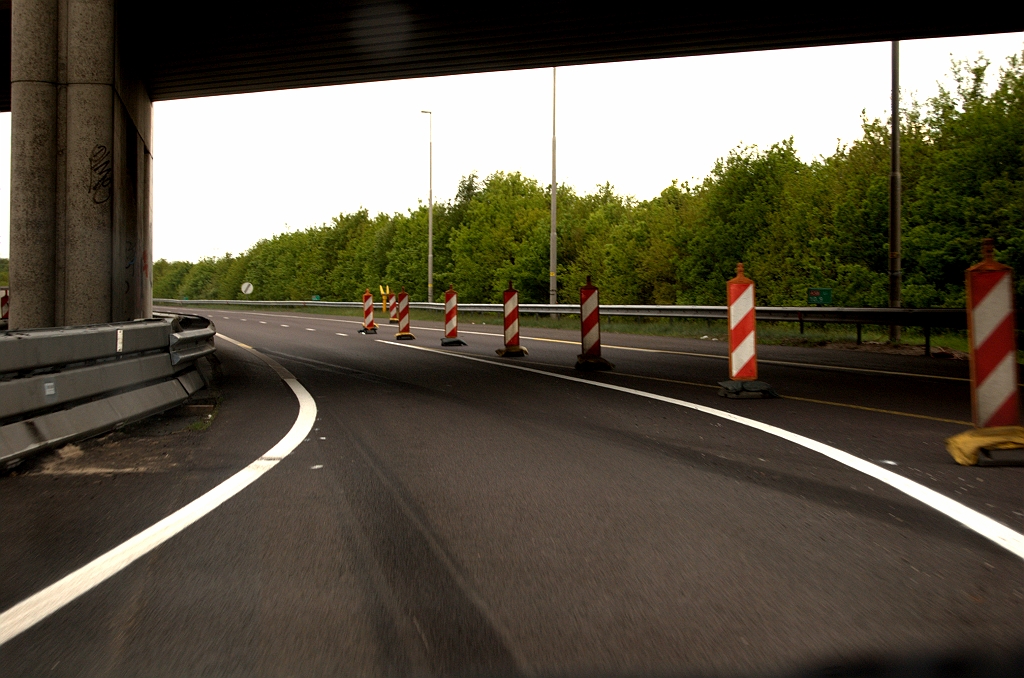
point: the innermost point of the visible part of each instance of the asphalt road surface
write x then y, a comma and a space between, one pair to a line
448, 515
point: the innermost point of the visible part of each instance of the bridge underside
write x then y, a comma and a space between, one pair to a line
84, 75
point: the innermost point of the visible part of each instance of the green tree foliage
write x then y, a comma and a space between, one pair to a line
794, 224
4, 275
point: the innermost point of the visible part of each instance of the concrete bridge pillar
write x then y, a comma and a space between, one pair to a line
81, 167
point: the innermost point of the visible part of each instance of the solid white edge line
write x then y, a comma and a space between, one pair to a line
987, 527
39, 606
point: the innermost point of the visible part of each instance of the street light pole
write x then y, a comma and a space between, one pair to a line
895, 195
430, 216
553, 259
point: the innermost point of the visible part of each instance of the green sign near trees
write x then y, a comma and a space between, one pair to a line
819, 296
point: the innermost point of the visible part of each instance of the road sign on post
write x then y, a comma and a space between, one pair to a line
247, 288
819, 296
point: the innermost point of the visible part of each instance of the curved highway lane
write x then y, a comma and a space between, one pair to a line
451, 516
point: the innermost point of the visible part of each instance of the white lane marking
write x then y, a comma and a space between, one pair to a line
284, 326
786, 363
39, 606
314, 467
991, 529
341, 334
310, 329
243, 320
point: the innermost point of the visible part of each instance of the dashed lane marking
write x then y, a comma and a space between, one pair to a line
41, 605
991, 529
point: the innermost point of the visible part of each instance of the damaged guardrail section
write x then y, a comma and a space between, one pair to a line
62, 384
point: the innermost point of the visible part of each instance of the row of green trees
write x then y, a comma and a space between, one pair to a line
794, 224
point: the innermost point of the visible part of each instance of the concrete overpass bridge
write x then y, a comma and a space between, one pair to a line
85, 74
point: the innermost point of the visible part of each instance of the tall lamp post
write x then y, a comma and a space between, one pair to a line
553, 259
895, 193
430, 216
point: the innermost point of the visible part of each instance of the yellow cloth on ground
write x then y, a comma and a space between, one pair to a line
965, 446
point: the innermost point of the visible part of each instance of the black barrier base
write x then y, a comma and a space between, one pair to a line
512, 352
404, 336
393, 321
453, 342
368, 330
592, 363
746, 389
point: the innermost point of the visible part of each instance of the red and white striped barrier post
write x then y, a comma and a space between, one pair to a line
743, 381
393, 308
451, 318
369, 327
5, 304
403, 316
512, 348
995, 396
590, 330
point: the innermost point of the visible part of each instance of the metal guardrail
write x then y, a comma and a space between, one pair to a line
62, 384
950, 318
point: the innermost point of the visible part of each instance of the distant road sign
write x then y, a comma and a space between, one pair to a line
316, 297
819, 296
246, 288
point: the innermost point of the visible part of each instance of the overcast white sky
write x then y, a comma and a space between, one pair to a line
231, 170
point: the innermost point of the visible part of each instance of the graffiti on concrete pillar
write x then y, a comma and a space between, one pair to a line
102, 166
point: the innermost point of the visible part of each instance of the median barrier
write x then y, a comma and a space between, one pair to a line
61, 384
590, 330
403, 317
451, 318
995, 399
511, 311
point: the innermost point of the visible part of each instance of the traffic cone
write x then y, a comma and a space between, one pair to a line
403, 317
590, 331
369, 327
451, 318
512, 348
995, 396
743, 381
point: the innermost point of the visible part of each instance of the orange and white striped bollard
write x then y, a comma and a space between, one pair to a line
451, 318
403, 316
512, 348
369, 327
995, 399
590, 330
393, 308
995, 395
743, 381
